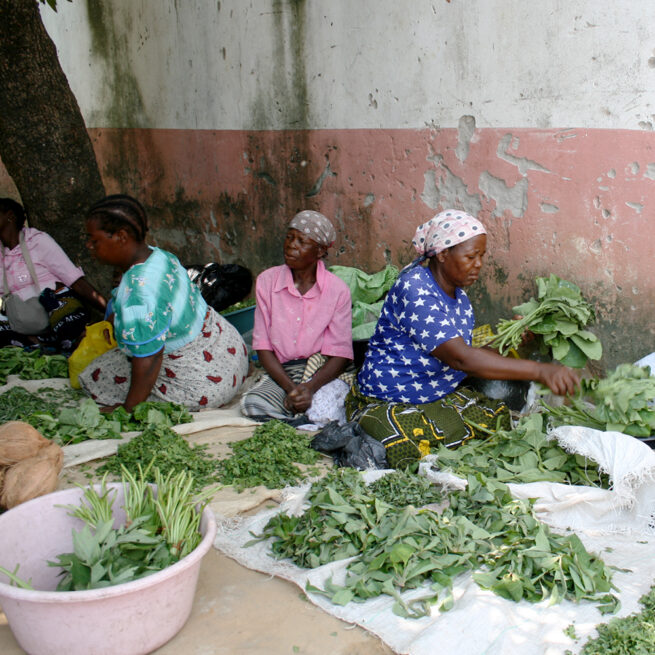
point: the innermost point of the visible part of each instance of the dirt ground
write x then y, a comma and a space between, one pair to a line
237, 610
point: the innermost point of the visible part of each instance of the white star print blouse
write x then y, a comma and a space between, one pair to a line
417, 317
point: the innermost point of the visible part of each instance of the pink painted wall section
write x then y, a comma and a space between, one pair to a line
579, 203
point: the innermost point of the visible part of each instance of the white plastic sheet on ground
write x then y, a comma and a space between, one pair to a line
613, 523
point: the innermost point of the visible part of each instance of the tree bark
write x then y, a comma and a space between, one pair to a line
44, 143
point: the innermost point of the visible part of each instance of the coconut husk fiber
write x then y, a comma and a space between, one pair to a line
18, 441
30, 464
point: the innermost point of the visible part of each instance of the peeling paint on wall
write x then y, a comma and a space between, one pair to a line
465, 133
522, 163
507, 198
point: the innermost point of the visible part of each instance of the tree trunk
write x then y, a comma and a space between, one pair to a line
44, 144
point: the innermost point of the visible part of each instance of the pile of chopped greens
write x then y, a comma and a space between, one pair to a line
628, 635
524, 454
268, 458
31, 365
621, 402
67, 416
402, 488
17, 404
160, 447
484, 530
242, 304
558, 317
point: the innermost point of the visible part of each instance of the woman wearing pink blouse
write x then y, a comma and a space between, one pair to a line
62, 285
302, 310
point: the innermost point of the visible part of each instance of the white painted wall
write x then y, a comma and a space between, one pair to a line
367, 63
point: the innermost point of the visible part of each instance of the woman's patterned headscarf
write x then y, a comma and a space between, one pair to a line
316, 226
445, 230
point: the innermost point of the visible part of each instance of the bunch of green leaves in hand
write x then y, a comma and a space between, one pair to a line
558, 317
620, 402
162, 525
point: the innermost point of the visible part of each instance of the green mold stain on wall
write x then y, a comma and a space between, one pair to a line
282, 98
123, 103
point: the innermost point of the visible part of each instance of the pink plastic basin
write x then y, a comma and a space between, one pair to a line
127, 619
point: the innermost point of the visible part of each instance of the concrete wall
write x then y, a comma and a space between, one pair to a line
227, 117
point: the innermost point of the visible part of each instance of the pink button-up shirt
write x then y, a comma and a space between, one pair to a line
51, 265
295, 326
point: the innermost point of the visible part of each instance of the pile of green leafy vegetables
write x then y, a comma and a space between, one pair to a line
558, 317
401, 488
629, 635
269, 458
620, 402
31, 365
523, 454
484, 530
67, 416
160, 448
160, 529
242, 304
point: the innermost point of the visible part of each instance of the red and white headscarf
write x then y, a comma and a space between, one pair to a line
446, 229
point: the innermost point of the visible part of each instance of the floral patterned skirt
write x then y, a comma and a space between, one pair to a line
207, 372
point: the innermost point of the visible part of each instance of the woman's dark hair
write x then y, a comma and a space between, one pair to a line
8, 205
120, 212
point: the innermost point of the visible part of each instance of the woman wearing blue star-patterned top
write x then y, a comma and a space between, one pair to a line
409, 389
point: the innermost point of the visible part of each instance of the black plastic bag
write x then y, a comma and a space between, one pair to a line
514, 393
221, 285
350, 446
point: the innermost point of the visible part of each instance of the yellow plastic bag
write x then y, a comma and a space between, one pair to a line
99, 339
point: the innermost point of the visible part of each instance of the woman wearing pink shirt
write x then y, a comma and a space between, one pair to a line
62, 285
302, 311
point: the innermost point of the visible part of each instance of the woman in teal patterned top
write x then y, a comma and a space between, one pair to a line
171, 345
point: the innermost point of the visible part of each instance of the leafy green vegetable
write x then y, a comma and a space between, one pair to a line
268, 458
159, 447
151, 413
402, 488
242, 304
484, 530
31, 365
524, 454
557, 316
628, 635
18, 404
14, 580
67, 416
160, 528
621, 402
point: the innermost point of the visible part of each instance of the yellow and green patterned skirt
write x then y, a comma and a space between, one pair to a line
408, 431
